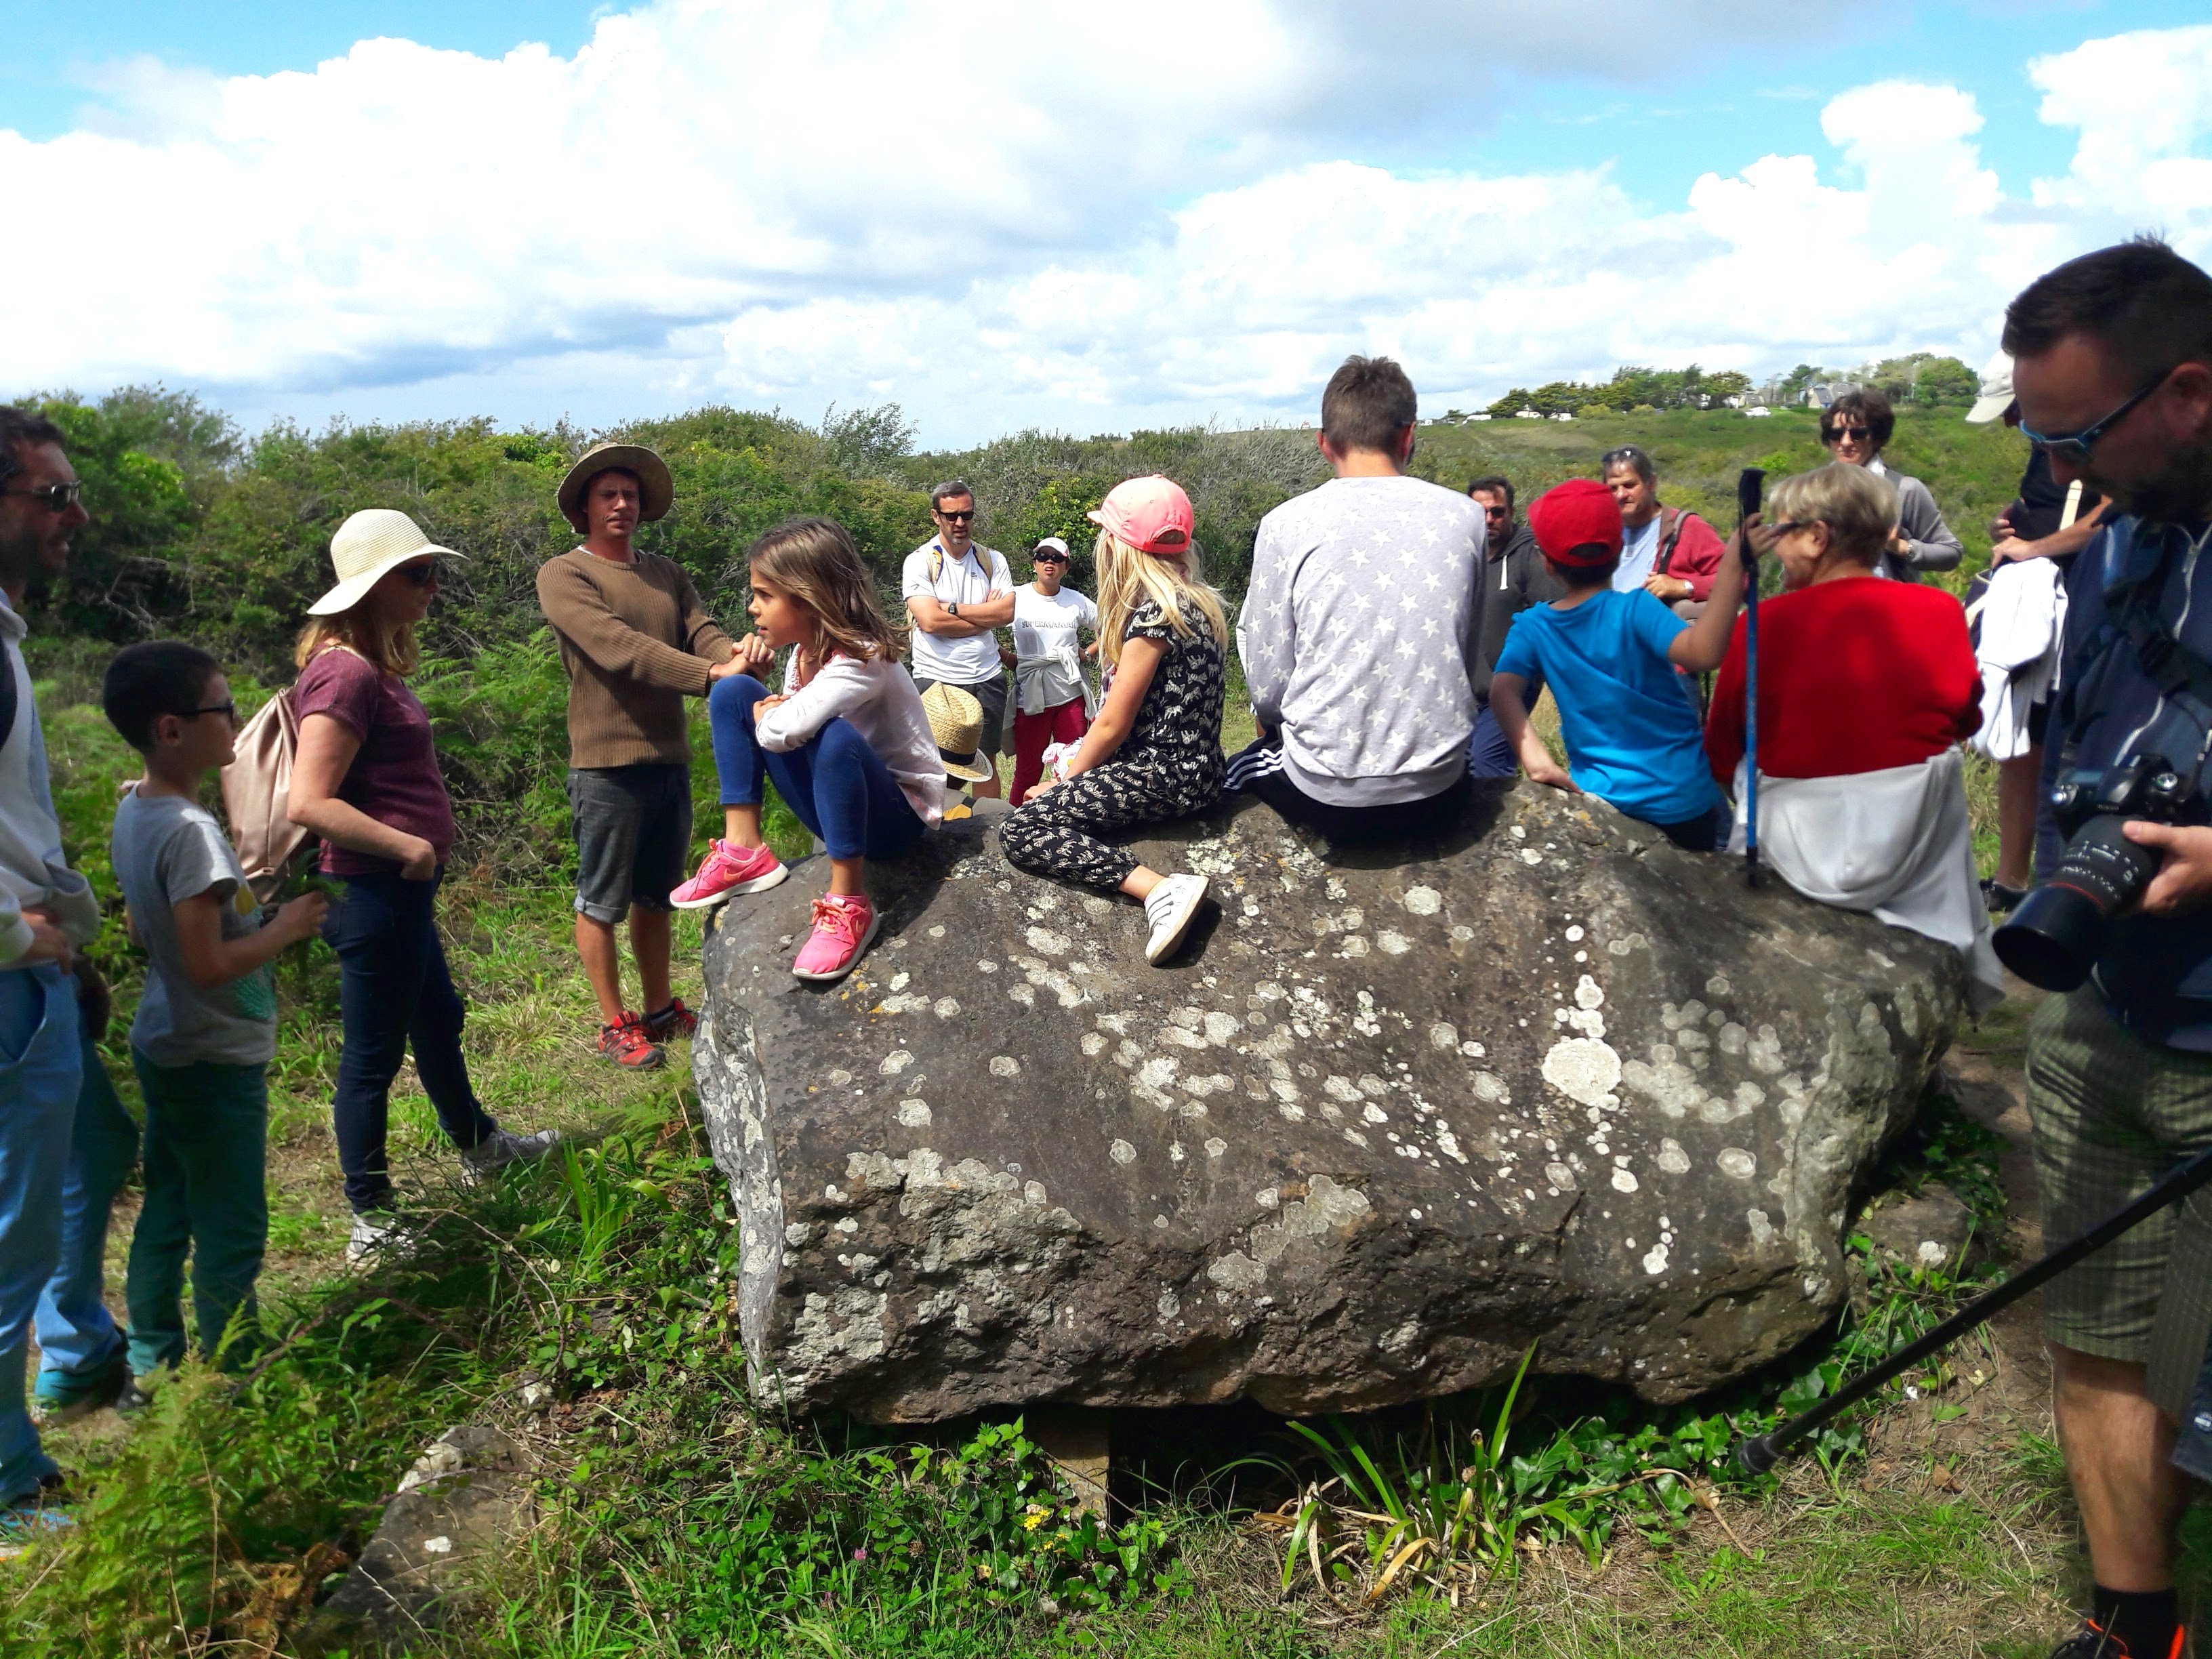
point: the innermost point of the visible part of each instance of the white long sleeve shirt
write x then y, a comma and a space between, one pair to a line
878, 698
33, 873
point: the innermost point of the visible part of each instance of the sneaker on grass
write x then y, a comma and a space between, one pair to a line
1171, 907
498, 1149
673, 1021
628, 1044
843, 928
378, 1233
63, 1396
2091, 1641
725, 872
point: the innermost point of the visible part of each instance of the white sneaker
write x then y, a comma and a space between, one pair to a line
1170, 907
498, 1149
372, 1235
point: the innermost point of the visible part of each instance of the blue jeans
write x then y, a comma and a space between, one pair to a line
207, 1135
41, 1069
1488, 754
77, 1336
840, 787
394, 991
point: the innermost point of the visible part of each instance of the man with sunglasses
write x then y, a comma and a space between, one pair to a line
959, 594
2113, 357
1514, 577
63, 1152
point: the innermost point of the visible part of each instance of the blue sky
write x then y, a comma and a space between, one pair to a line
1122, 254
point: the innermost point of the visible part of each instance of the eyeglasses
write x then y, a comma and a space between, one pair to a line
227, 710
954, 518
1786, 526
2075, 446
55, 498
1045, 556
1857, 434
1498, 512
422, 575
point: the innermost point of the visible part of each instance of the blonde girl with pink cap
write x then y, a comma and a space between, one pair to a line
1154, 752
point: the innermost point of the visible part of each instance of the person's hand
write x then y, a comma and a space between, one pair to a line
301, 918
1007, 657
754, 655
2013, 548
1761, 536
96, 1002
1050, 781
1669, 588
1092, 649
1900, 545
722, 671
765, 704
421, 863
2001, 528
48, 942
2185, 880
1555, 775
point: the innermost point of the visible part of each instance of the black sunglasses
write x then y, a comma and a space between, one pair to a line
227, 710
2075, 446
422, 575
1857, 434
1045, 556
55, 498
956, 518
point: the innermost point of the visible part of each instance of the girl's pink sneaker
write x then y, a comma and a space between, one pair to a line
728, 871
843, 927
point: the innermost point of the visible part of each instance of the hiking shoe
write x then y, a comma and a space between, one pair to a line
136, 1397
63, 1396
673, 1021
41, 1513
1171, 907
2092, 1642
726, 871
498, 1149
2000, 898
843, 927
627, 1044
378, 1233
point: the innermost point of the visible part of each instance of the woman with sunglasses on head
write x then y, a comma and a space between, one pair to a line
1052, 701
366, 780
1856, 429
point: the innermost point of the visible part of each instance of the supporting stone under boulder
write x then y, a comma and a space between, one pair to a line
1390, 1120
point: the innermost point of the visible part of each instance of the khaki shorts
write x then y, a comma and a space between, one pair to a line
2112, 1113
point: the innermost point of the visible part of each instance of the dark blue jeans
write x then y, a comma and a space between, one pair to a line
394, 991
1488, 754
840, 787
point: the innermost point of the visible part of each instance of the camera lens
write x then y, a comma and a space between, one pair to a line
2053, 937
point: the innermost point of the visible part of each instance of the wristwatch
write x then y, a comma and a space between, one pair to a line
952, 608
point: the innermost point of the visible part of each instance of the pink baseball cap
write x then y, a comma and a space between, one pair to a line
1151, 514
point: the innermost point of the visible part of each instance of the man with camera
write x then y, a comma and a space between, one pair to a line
2113, 374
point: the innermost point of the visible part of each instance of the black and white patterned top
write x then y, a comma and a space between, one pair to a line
1178, 727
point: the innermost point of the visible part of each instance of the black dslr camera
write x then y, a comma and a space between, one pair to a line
2055, 932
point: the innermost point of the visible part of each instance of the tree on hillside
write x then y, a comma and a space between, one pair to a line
1947, 381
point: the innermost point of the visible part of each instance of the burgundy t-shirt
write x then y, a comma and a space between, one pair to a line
394, 777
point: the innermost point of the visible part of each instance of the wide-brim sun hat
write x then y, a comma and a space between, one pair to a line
956, 725
1151, 514
1994, 394
367, 547
656, 491
1577, 524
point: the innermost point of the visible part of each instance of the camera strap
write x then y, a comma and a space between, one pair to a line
2132, 622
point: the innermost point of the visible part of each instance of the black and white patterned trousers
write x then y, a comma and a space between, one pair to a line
1055, 834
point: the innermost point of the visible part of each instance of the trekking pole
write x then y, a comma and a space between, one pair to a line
1759, 1454
1750, 484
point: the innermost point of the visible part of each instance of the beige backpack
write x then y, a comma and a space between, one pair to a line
256, 786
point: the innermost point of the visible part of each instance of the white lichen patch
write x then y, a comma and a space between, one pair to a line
1045, 943
914, 1114
1583, 1069
1654, 1260
1530, 855
1623, 1181
1559, 1175
1736, 1162
1006, 1066
1392, 944
1267, 1197
1237, 1272
1443, 1036
1672, 1158
946, 1008
1423, 901
1216, 1146
1122, 1152
911, 1003
1093, 1045
1762, 1230
1589, 994
895, 1062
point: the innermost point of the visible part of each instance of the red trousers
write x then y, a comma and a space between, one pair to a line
1064, 724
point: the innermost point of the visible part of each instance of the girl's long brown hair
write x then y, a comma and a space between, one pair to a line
815, 561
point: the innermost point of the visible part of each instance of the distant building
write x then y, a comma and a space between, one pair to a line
1760, 412
1563, 416
1735, 402
1525, 415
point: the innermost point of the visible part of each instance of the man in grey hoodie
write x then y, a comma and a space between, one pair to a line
47, 911
1361, 632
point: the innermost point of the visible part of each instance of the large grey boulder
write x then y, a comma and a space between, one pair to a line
1395, 1116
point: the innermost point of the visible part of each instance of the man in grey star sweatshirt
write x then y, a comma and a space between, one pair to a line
1361, 631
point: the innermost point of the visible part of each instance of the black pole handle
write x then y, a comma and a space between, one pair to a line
1761, 1452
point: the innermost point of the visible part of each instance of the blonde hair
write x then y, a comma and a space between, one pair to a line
390, 648
1127, 578
818, 563
1859, 508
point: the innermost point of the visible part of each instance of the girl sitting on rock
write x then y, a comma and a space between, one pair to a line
1154, 752
847, 741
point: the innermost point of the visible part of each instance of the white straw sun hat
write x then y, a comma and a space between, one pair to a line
373, 542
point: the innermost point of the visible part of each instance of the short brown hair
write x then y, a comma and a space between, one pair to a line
1870, 409
1368, 402
2142, 302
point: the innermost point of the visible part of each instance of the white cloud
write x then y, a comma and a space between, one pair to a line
999, 213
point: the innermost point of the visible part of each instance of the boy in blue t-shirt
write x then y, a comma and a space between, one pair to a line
1630, 721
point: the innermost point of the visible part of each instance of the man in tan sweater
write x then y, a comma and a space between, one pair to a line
636, 640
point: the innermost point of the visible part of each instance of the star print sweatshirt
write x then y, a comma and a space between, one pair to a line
1360, 635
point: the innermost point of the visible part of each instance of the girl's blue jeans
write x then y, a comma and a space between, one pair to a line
839, 787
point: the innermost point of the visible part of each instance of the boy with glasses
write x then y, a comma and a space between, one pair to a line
206, 1027
959, 594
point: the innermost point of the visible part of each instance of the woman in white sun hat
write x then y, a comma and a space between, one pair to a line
366, 780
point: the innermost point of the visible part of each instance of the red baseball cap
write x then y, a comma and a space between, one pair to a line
1577, 524
1151, 514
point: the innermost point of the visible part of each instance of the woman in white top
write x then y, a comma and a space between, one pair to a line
1052, 700
846, 743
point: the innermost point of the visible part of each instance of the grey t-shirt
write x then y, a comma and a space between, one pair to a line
166, 850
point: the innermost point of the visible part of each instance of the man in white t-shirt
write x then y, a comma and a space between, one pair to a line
1053, 702
959, 595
